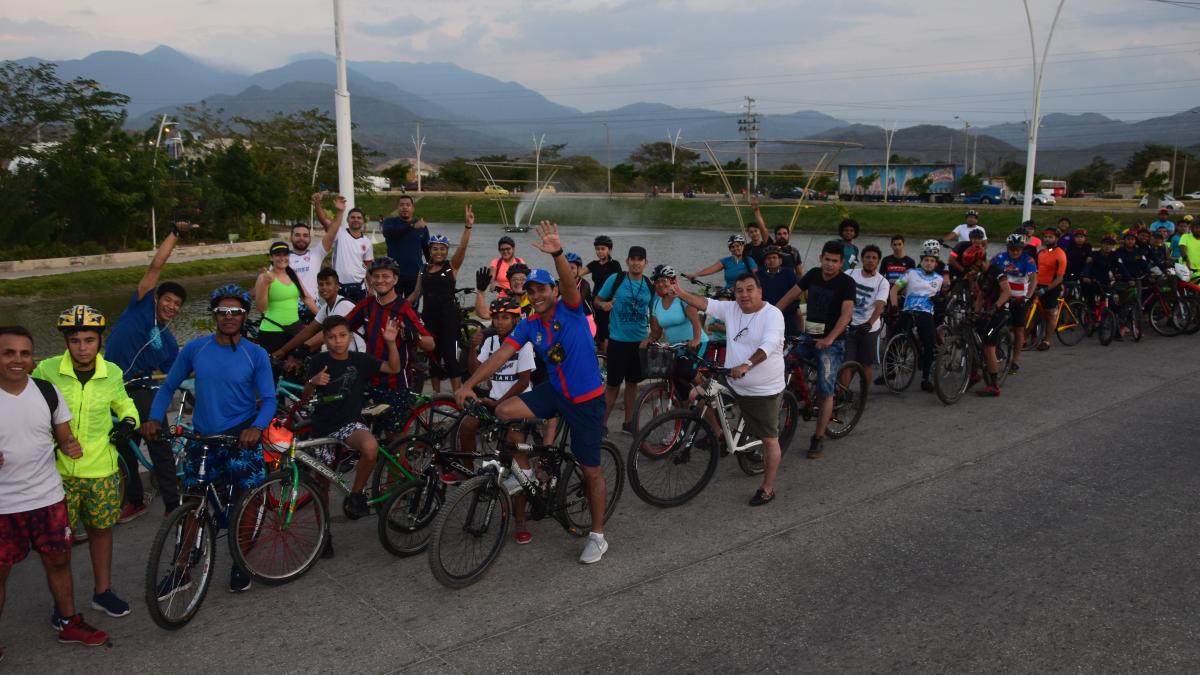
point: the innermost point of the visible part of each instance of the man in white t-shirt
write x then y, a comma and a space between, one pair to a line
353, 253
33, 513
306, 257
870, 297
963, 231
754, 355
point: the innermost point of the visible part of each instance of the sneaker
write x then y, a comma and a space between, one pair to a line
327, 550
173, 583
594, 550
926, 385
1013, 368
110, 604
761, 498
239, 580
357, 506
879, 381
990, 390
524, 537
814, 448
56, 620
77, 631
627, 427
130, 512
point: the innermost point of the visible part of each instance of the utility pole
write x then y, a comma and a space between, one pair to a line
975, 152
887, 158
748, 125
418, 142
537, 160
341, 111
674, 144
608, 141
950, 152
312, 211
162, 126
1039, 68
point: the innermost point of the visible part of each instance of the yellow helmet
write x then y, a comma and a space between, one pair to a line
1188, 218
81, 317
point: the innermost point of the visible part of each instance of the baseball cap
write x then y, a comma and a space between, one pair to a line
637, 252
279, 247
540, 276
1164, 212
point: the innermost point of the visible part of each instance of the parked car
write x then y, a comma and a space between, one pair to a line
988, 194
1192, 195
1039, 199
1167, 202
495, 190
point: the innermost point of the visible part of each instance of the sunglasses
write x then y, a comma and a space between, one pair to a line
741, 333
505, 248
227, 312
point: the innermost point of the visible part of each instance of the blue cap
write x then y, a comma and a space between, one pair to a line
574, 258
540, 276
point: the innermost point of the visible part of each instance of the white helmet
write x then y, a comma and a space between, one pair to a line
931, 247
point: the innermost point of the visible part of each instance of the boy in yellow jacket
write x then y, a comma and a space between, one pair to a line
94, 390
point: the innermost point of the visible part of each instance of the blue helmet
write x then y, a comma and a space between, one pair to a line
439, 239
574, 258
229, 291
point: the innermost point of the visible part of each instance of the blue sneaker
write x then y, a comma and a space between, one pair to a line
239, 580
110, 604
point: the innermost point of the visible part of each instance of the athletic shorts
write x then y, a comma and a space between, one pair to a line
829, 361
862, 345
624, 363
1050, 299
988, 326
241, 468
760, 413
586, 420
94, 502
397, 414
46, 530
1017, 309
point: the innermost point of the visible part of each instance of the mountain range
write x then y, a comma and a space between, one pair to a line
464, 113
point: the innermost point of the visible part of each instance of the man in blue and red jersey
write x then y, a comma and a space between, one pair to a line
370, 318
560, 334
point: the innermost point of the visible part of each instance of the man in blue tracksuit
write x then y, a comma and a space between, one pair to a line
407, 243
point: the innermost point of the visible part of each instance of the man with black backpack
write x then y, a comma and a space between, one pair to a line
626, 296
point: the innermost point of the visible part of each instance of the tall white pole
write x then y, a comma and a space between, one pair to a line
537, 161
341, 110
887, 158
674, 141
608, 143
312, 210
418, 143
1036, 121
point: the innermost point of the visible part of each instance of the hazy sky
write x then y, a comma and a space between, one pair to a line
868, 60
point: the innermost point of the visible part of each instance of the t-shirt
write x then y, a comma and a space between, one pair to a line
505, 378
1018, 272
500, 271
602, 271
341, 307
306, 265
1051, 263
350, 256
406, 245
920, 288
370, 318
868, 291
675, 323
1190, 244
341, 401
138, 344
630, 318
28, 479
233, 385
735, 268
894, 268
755, 251
849, 256
963, 231
1162, 224
825, 299
566, 348
749, 333
776, 284
989, 285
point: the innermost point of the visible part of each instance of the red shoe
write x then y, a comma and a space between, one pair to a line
76, 630
131, 512
524, 537
990, 390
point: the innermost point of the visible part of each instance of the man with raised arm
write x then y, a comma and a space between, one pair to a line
560, 334
354, 251
305, 258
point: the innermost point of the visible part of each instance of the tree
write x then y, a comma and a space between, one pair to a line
1014, 175
919, 185
1135, 168
205, 123
35, 102
584, 175
457, 173
901, 159
1156, 186
1095, 177
649, 154
969, 183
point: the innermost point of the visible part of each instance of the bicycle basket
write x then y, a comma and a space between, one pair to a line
656, 362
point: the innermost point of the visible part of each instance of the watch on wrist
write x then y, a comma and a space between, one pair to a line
749, 364
557, 253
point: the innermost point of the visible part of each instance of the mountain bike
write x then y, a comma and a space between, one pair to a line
662, 393
1069, 328
1125, 299
849, 396
960, 359
134, 441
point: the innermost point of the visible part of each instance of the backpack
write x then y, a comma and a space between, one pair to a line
48, 393
620, 280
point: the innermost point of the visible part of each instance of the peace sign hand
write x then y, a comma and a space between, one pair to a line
548, 231
470, 216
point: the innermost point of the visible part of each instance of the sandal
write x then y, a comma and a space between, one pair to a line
1043, 346
761, 497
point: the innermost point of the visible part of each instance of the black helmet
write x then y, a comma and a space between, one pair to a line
516, 268
603, 240
384, 263
506, 240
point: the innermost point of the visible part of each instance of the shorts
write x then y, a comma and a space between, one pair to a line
760, 413
624, 362
238, 467
1050, 299
1017, 309
988, 326
829, 361
343, 434
862, 345
397, 414
601, 318
46, 530
586, 420
94, 502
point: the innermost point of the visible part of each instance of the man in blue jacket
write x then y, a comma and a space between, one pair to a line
407, 243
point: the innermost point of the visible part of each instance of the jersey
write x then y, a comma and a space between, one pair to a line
565, 345
506, 375
1051, 263
920, 289
306, 265
370, 317
1017, 271
894, 268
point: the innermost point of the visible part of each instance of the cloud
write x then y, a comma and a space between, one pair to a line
400, 26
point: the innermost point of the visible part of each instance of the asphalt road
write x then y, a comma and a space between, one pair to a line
1051, 529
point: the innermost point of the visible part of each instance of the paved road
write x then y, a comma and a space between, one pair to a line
1052, 529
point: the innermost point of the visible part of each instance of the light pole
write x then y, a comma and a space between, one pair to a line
1039, 68
674, 144
341, 111
312, 210
163, 125
537, 160
608, 141
418, 142
887, 158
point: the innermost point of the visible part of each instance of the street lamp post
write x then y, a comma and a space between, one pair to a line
537, 160
418, 142
887, 158
162, 125
608, 142
312, 210
674, 144
1039, 69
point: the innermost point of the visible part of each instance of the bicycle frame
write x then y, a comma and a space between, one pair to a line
713, 391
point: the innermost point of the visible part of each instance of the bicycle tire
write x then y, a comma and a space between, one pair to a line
1035, 332
692, 442
1004, 353
1136, 323
1160, 317
1194, 317
406, 519
570, 492
899, 362
257, 532
654, 400
169, 533
476, 493
408, 450
1073, 332
1107, 329
849, 400
1181, 315
952, 370
751, 463
466, 329
438, 413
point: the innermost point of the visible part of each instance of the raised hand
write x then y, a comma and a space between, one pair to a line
182, 226
390, 331
322, 378
339, 203
317, 197
754, 202
419, 224
483, 278
469, 214
548, 232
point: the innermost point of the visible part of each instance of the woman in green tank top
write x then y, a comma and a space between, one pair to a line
277, 294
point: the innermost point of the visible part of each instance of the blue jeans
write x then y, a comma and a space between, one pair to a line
828, 361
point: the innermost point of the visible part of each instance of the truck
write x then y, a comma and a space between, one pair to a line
941, 188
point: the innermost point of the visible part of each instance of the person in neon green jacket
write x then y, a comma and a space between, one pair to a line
94, 389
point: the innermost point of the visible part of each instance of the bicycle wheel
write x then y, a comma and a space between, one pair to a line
1136, 322
1181, 314
849, 399
1161, 311
571, 507
466, 329
278, 528
1107, 328
435, 415
407, 451
681, 460
1070, 329
1193, 325
1035, 331
899, 362
469, 532
405, 519
952, 370
751, 462
1004, 352
654, 400
180, 567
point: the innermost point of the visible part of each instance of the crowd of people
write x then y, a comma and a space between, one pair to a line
67, 422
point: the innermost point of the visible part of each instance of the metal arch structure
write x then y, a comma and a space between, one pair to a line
485, 170
831, 150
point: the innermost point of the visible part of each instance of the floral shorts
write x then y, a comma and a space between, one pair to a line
241, 468
45, 530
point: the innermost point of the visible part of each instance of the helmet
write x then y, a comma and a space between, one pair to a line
1108, 238
973, 254
517, 268
506, 304
384, 263
772, 250
736, 239
663, 272
81, 317
574, 258
1080, 232
439, 239
276, 440
506, 240
931, 247
1015, 239
971, 212
229, 291
1188, 218
603, 240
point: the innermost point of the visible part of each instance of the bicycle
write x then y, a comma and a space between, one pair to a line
1168, 316
682, 446
900, 354
134, 443
1126, 297
471, 528
961, 357
849, 397
1069, 327
661, 394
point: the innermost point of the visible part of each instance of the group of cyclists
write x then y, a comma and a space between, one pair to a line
563, 338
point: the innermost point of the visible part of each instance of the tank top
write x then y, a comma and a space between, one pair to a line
674, 322
282, 307
437, 288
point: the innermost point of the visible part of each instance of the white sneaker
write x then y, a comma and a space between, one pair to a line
594, 550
